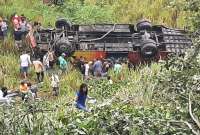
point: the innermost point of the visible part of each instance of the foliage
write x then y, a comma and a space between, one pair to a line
193, 8
170, 13
161, 98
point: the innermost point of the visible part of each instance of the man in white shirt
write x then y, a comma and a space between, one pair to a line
87, 67
55, 84
46, 62
25, 62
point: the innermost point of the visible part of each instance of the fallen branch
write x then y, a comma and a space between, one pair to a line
186, 123
176, 121
191, 114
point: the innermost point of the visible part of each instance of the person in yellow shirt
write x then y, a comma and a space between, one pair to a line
23, 89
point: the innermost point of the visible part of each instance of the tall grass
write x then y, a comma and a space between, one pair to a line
95, 11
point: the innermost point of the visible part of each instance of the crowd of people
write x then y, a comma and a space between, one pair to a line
22, 30
43, 65
98, 67
89, 69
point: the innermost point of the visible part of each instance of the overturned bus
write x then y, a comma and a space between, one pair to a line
137, 43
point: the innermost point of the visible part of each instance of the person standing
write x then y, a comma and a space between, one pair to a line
46, 62
55, 84
117, 67
118, 70
25, 62
87, 67
51, 58
62, 63
97, 68
16, 20
80, 65
39, 70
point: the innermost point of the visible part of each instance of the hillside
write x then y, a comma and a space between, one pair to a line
168, 12
156, 99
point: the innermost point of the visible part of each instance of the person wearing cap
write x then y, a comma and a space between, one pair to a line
62, 62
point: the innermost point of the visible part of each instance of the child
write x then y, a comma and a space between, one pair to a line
109, 80
55, 84
81, 97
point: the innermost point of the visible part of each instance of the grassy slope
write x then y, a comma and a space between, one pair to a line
138, 86
95, 11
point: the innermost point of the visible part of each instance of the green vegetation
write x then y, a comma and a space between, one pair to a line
159, 99
149, 100
168, 12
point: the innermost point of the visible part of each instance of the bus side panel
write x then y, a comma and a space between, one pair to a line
90, 55
136, 58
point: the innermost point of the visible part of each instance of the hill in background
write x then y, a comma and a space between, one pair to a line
168, 12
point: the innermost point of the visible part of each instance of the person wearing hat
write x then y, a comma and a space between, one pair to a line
62, 62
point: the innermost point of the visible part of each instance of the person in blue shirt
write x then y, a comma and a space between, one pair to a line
97, 68
82, 95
